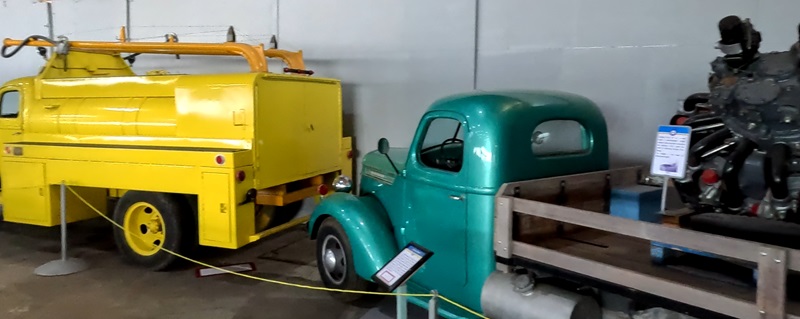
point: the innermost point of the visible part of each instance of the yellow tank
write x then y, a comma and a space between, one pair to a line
292, 123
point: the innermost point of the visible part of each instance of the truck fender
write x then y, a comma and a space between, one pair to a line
367, 226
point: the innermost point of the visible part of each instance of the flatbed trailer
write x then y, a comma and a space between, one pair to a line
563, 224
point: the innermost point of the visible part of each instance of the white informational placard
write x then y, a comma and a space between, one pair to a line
400, 268
671, 151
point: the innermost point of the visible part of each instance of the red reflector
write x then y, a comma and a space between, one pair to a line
322, 189
709, 177
240, 176
220, 159
350, 154
681, 120
754, 209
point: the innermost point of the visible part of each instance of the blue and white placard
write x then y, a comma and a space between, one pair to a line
671, 151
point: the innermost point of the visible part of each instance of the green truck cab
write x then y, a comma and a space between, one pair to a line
440, 191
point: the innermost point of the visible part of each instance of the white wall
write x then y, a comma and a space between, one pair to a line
636, 58
18, 19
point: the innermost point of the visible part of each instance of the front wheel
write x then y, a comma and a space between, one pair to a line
335, 262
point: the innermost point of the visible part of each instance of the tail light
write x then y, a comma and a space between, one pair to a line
322, 189
350, 154
240, 176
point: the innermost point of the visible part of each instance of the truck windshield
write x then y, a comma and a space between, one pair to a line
9, 104
443, 145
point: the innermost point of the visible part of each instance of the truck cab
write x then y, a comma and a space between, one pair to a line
440, 191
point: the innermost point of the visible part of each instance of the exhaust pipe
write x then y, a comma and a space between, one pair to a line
509, 295
776, 167
706, 144
733, 198
692, 101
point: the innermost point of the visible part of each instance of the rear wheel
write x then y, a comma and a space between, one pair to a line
335, 262
273, 216
152, 221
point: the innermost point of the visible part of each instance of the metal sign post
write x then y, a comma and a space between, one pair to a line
433, 305
396, 272
65, 265
402, 303
670, 155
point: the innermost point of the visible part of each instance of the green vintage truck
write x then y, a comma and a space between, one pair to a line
440, 192
513, 194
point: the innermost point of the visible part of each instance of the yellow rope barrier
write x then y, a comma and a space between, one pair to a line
98, 212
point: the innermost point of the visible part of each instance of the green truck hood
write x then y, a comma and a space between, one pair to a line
377, 164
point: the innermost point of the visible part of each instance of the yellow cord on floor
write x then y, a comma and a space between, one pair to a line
276, 281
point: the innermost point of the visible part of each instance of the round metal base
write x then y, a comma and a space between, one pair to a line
61, 267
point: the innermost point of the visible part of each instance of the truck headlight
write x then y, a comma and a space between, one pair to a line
343, 184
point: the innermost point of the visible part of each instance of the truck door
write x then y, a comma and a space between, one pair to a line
438, 202
10, 123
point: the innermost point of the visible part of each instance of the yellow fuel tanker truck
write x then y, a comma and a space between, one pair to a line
180, 161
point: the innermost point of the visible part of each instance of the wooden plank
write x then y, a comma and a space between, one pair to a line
672, 290
771, 295
715, 244
586, 185
634, 254
586, 191
672, 218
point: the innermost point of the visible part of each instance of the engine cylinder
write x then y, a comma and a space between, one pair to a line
509, 295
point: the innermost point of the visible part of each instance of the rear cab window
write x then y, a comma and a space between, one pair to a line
558, 138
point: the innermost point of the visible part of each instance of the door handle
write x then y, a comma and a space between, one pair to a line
456, 197
16, 133
51, 107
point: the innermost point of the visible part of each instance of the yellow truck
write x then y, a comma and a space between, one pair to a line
179, 160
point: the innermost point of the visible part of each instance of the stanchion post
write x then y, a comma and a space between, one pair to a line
65, 265
433, 305
63, 216
402, 311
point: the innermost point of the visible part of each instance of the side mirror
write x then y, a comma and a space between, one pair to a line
383, 146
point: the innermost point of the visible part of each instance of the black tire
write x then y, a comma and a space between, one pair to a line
178, 224
330, 229
284, 214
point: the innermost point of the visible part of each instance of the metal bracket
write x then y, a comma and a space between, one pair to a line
771, 295
62, 45
607, 194
503, 230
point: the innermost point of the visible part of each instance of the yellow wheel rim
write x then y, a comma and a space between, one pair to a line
144, 229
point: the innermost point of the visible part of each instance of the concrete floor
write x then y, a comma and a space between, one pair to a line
112, 289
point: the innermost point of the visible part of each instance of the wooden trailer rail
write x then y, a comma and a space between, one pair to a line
773, 262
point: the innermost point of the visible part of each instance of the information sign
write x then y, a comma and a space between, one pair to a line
397, 271
671, 151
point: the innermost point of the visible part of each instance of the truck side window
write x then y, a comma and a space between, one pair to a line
9, 104
443, 145
559, 137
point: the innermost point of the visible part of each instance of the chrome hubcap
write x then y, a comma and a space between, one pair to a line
333, 259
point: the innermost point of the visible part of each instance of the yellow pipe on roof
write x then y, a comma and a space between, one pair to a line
292, 59
255, 56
